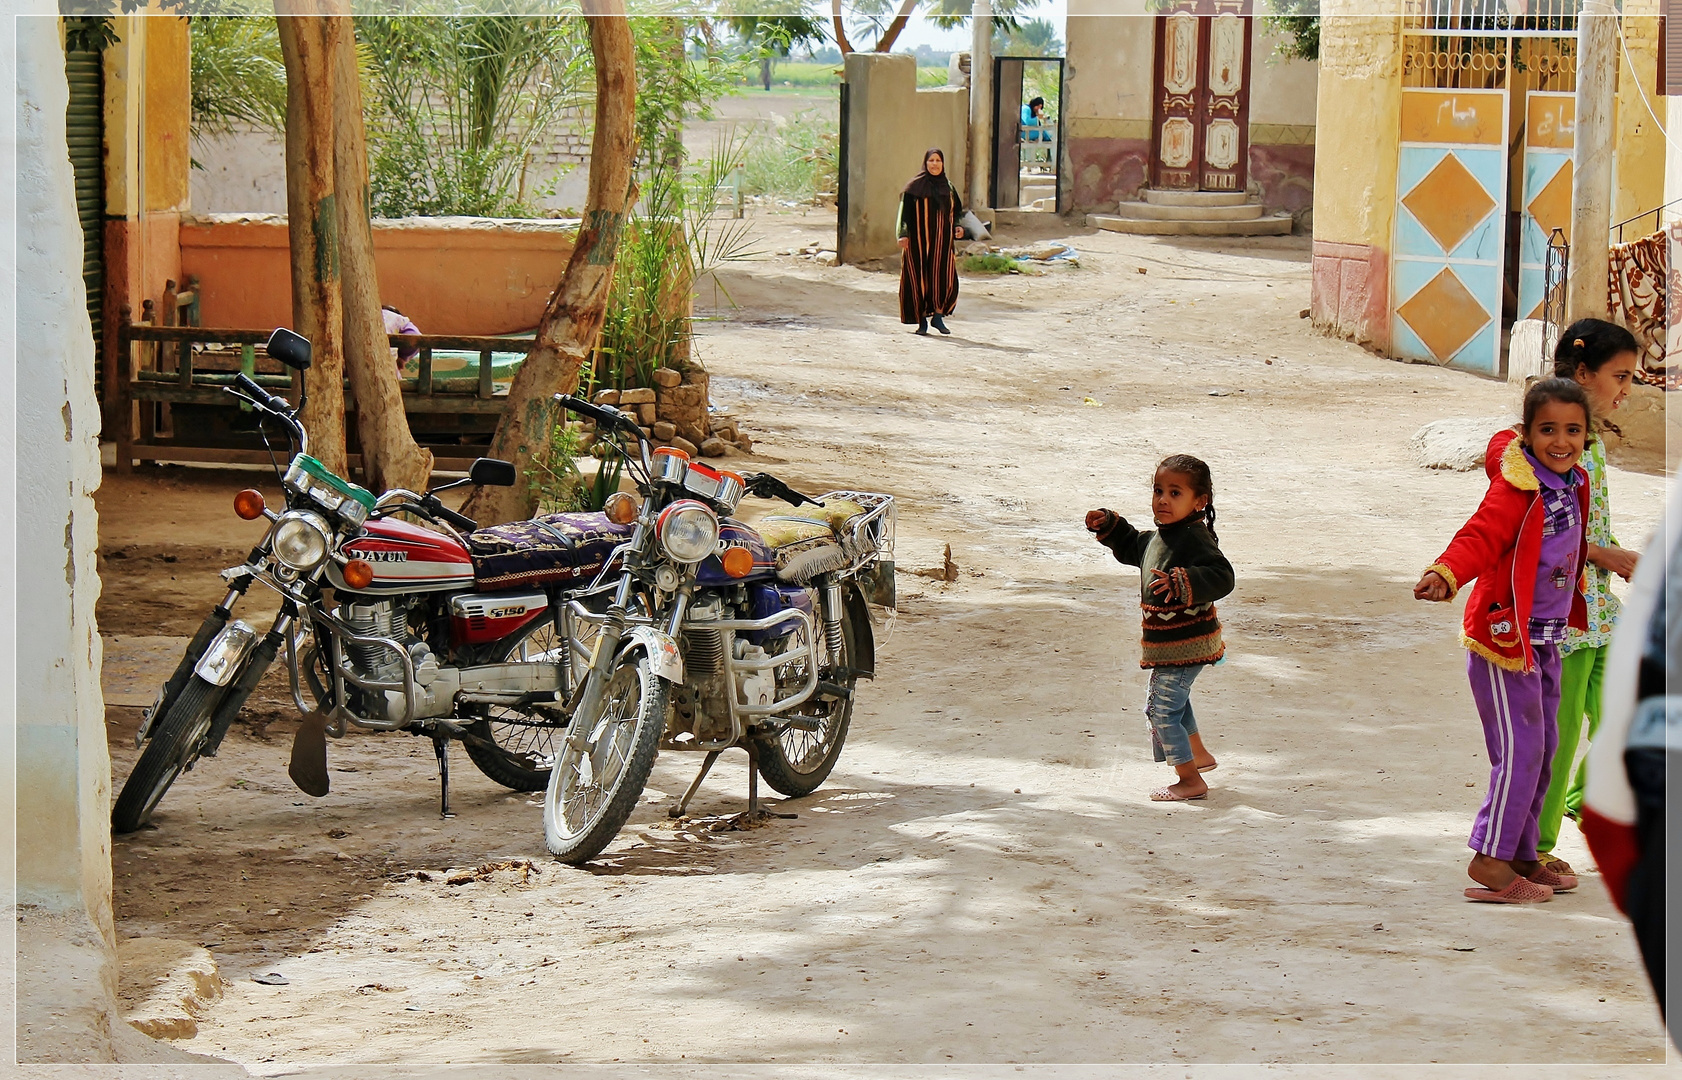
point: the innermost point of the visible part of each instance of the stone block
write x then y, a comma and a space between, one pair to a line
686, 446
743, 443
165, 984
667, 376
694, 432
646, 413
639, 396
1457, 444
664, 430
683, 395
715, 447
607, 397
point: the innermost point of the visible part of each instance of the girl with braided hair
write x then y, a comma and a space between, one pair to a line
1182, 574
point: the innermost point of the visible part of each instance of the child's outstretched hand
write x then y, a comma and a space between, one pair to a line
1431, 587
1099, 520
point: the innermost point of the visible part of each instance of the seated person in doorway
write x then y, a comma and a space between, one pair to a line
1033, 116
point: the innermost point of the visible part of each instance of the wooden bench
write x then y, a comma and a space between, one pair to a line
169, 403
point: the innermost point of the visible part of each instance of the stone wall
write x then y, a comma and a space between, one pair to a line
675, 412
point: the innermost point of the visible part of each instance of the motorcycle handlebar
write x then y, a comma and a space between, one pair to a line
605, 416
264, 398
460, 521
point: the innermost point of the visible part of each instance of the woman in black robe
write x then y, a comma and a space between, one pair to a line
929, 209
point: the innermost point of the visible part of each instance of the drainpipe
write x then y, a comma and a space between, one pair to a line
1591, 158
980, 103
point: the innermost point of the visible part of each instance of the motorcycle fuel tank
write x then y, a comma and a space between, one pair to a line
732, 533
407, 558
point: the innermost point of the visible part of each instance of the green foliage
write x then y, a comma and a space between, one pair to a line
1033, 37
989, 264
796, 161
554, 474
1297, 24
605, 482
461, 103
671, 242
237, 75
777, 34
88, 33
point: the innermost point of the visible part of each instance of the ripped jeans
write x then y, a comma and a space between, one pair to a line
1168, 708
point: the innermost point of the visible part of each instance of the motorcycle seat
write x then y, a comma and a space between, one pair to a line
809, 544
553, 549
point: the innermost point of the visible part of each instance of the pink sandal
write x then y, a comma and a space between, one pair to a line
1557, 882
1521, 890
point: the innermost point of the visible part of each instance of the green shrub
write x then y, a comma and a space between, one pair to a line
797, 161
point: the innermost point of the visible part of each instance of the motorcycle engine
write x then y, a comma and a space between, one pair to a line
387, 619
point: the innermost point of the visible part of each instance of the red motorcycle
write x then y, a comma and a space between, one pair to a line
443, 629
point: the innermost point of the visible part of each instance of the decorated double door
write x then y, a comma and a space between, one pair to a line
1200, 138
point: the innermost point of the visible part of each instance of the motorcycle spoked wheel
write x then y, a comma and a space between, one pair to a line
600, 774
522, 740
799, 757
173, 745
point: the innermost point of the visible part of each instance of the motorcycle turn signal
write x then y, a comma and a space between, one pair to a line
358, 573
248, 504
620, 508
738, 562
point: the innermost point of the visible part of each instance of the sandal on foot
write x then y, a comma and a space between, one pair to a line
1164, 795
1211, 767
1557, 882
1520, 891
1554, 864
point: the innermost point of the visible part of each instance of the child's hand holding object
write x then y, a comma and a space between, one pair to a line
1099, 520
1431, 587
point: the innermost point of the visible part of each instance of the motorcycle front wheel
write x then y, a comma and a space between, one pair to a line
172, 747
599, 774
799, 758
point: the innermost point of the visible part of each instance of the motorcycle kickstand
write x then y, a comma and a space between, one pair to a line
683, 803
441, 747
757, 813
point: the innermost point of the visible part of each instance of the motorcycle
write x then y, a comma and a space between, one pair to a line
717, 635
451, 632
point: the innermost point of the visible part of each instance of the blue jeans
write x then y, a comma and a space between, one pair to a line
1168, 708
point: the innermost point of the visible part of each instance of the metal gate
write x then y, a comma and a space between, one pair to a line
85, 127
1449, 237
1550, 119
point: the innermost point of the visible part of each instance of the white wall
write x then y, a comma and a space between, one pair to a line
66, 966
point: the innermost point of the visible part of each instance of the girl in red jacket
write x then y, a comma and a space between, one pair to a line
1526, 546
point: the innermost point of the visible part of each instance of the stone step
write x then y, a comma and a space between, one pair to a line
1145, 211
1165, 197
1267, 226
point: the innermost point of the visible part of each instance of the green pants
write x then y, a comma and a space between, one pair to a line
1580, 675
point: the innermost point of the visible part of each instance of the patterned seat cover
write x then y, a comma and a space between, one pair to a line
554, 549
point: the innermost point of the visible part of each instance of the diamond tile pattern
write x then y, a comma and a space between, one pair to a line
1449, 202
1551, 206
1444, 314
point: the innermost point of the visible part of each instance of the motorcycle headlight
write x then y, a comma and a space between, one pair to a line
688, 530
301, 540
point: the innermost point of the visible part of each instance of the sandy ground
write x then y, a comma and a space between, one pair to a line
983, 878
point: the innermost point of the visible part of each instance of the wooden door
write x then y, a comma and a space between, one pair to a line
1007, 131
1200, 138
1176, 135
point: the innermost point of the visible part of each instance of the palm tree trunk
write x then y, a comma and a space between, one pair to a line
312, 214
573, 319
390, 456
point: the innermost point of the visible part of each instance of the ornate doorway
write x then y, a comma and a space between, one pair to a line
1200, 138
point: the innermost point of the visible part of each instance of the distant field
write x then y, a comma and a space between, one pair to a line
793, 75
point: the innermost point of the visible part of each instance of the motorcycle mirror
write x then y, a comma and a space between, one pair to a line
490, 472
289, 348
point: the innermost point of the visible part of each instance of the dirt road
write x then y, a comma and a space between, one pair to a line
983, 878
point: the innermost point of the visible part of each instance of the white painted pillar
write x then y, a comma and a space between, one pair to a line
980, 104
1594, 143
66, 959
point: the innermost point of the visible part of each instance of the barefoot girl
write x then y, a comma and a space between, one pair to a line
1525, 546
1182, 574
1602, 358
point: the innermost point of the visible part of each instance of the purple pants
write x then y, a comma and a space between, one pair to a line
1518, 710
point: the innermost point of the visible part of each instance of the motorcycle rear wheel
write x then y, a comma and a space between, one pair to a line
521, 740
600, 774
798, 759
173, 746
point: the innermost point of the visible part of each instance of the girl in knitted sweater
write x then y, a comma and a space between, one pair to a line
1182, 574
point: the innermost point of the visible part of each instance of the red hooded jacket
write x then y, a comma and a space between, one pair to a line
1501, 547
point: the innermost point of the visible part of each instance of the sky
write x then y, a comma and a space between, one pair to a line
923, 32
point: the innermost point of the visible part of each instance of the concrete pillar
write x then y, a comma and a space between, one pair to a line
981, 104
66, 958
1640, 136
1595, 141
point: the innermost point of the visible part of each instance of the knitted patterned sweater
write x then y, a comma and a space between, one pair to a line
1182, 629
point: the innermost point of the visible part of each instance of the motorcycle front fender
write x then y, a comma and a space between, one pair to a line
664, 659
221, 661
